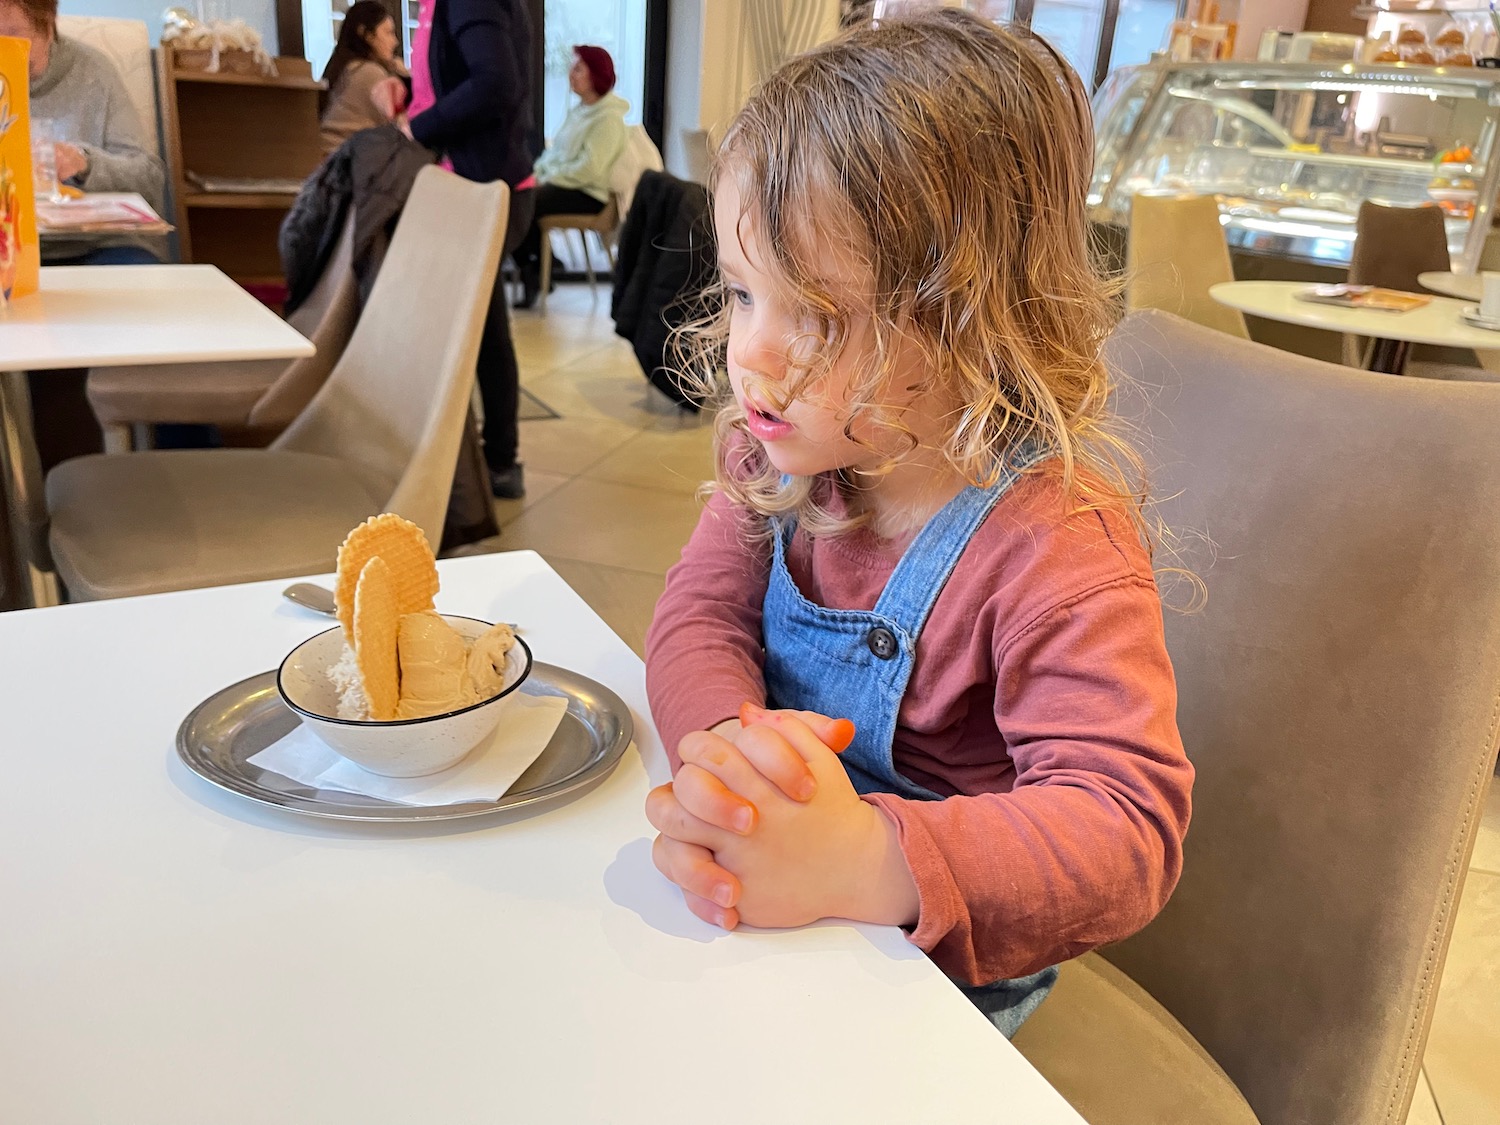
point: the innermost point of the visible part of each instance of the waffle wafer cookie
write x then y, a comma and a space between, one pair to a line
405, 550
376, 623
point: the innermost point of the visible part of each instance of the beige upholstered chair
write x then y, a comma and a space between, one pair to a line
258, 397
382, 434
604, 226
1338, 696
128, 45
638, 155
1175, 254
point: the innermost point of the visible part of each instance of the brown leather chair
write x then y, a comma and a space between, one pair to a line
1392, 246
1338, 695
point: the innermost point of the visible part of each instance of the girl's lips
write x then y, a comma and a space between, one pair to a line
766, 427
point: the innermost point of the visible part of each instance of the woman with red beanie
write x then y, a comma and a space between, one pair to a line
573, 175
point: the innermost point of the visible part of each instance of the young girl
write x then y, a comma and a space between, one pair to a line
921, 525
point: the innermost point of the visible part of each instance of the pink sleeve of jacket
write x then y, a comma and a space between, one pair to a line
704, 652
1087, 847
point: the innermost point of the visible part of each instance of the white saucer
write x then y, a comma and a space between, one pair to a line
1473, 316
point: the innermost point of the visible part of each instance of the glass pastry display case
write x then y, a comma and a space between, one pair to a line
1292, 149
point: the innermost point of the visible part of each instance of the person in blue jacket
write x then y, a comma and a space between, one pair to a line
479, 62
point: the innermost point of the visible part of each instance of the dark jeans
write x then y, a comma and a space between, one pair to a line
497, 369
550, 200
112, 256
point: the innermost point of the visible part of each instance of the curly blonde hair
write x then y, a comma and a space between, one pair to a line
957, 153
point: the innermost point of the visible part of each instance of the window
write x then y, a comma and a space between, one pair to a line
1095, 36
619, 26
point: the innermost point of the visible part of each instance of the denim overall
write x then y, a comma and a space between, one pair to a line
855, 664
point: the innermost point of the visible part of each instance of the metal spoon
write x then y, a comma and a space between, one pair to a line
311, 596
319, 599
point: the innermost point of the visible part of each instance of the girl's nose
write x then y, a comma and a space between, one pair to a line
756, 353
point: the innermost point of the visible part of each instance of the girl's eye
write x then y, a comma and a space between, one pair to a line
740, 296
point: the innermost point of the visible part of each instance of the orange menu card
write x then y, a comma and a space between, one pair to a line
20, 254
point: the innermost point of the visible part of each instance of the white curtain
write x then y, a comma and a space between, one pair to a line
775, 30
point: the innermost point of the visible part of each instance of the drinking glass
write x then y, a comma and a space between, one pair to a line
44, 159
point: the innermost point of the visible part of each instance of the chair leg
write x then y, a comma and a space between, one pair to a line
118, 437
546, 270
1352, 349
603, 242
588, 263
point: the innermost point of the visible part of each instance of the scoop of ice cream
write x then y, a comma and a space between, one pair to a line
486, 665
350, 684
432, 659
439, 670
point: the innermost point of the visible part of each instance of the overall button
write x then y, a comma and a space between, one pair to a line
882, 642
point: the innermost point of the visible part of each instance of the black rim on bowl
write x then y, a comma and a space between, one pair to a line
285, 698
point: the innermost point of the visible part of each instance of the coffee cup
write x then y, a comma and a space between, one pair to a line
1489, 303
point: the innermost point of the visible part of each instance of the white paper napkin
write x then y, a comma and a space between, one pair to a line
485, 775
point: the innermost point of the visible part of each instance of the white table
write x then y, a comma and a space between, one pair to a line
1467, 287
110, 316
172, 953
1394, 332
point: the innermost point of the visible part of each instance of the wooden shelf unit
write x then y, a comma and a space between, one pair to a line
287, 81
237, 126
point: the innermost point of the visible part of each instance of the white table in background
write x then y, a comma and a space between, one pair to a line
1394, 332
1467, 287
112, 316
173, 953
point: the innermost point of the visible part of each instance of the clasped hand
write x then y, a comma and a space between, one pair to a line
762, 826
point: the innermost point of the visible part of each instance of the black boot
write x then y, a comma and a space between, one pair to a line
531, 288
508, 484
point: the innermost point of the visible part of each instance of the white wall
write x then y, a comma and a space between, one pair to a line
259, 14
1263, 15
684, 67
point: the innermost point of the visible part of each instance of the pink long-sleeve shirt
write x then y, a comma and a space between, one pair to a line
1041, 704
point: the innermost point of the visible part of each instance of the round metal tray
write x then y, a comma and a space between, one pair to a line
222, 733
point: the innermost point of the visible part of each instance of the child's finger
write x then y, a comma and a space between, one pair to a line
711, 913
693, 869
774, 761
797, 734
703, 792
667, 816
777, 761
836, 734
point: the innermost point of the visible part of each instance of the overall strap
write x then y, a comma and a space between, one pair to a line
914, 586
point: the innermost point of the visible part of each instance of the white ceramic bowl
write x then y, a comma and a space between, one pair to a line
402, 747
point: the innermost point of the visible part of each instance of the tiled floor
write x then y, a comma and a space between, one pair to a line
610, 486
610, 500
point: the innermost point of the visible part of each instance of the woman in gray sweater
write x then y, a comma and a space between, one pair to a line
101, 140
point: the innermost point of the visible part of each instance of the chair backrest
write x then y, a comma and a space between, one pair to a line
1338, 696
1175, 254
639, 155
128, 45
1392, 245
393, 408
327, 318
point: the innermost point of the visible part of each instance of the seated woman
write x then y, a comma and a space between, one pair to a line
573, 175
101, 143
364, 57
